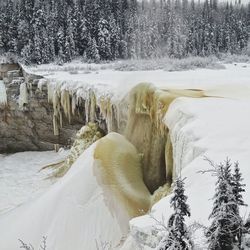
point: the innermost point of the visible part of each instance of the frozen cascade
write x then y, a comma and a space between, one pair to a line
181, 141
144, 106
99, 189
67, 98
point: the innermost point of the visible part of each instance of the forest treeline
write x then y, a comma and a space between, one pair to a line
42, 31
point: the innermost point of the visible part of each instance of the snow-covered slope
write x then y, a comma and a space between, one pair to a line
216, 128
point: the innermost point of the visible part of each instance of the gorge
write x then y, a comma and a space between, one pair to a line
142, 137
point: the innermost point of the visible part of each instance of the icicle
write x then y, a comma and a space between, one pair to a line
23, 97
87, 105
66, 105
73, 104
55, 125
106, 109
57, 119
92, 106
50, 92
42, 82
3, 95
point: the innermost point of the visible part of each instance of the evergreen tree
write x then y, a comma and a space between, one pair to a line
178, 236
92, 50
69, 48
104, 40
238, 189
122, 28
226, 228
60, 45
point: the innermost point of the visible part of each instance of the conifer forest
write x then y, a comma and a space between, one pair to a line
43, 31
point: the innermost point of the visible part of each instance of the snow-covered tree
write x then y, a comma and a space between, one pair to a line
238, 186
104, 40
60, 45
226, 228
178, 237
69, 48
92, 50
238, 189
123, 28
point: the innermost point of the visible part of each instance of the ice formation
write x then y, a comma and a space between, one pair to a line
195, 134
138, 116
23, 97
3, 95
92, 203
145, 129
66, 101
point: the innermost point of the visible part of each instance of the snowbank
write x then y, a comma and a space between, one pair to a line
213, 127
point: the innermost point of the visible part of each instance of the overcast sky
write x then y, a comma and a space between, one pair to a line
243, 1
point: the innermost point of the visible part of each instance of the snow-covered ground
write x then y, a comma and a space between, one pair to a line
234, 78
20, 178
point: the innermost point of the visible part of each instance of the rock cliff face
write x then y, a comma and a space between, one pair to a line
26, 120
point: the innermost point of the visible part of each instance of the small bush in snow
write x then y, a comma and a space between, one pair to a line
25, 246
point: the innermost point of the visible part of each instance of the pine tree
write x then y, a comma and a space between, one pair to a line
27, 53
226, 228
178, 237
60, 45
238, 189
122, 28
104, 40
219, 233
69, 48
92, 50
